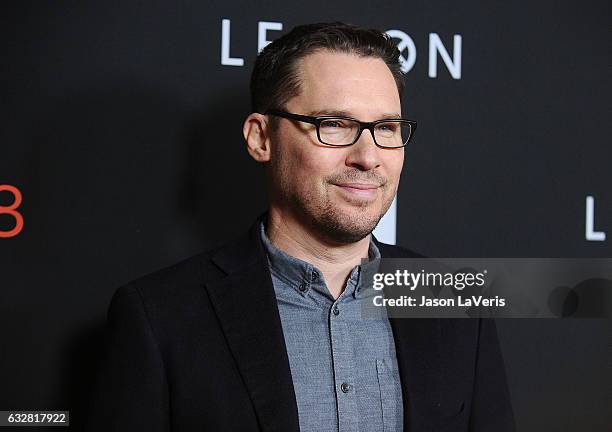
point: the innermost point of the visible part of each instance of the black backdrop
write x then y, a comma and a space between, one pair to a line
121, 128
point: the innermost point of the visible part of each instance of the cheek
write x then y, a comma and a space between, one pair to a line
298, 170
395, 164
307, 164
309, 175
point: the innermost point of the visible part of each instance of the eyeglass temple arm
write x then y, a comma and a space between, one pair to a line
291, 116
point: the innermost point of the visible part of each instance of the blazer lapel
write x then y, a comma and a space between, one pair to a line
418, 357
245, 304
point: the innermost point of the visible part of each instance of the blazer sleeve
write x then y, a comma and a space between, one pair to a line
131, 392
491, 405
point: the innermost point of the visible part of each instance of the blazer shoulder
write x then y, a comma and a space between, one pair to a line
393, 251
182, 282
185, 275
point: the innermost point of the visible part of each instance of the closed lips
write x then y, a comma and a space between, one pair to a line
361, 186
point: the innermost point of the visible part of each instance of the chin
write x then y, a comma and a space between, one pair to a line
348, 225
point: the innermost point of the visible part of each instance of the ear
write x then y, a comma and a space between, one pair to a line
255, 131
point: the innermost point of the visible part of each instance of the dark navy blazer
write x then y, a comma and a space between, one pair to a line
199, 347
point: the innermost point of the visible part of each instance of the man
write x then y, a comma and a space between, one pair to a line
266, 332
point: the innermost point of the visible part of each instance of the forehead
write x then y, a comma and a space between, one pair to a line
347, 82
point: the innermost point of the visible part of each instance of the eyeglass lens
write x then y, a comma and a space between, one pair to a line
344, 132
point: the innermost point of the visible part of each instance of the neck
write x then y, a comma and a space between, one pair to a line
335, 260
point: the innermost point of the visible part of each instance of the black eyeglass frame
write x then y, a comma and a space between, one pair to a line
362, 126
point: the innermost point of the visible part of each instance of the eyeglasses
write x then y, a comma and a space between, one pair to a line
340, 131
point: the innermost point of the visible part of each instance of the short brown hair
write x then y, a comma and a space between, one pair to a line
275, 80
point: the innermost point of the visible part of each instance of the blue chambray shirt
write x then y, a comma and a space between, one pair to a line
344, 368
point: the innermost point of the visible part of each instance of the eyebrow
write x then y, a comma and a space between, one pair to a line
343, 113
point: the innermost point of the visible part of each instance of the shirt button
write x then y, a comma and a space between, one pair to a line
336, 311
314, 276
345, 387
302, 287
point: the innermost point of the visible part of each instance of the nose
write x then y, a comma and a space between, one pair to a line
364, 154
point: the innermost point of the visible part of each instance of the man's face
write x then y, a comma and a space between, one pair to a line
342, 192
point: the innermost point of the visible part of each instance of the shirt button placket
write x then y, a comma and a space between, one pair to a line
335, 329
342, 363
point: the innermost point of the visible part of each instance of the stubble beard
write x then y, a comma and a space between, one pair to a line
346, 228
328, 219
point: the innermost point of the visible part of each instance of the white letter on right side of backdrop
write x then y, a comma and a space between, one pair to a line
589, 224
436, 46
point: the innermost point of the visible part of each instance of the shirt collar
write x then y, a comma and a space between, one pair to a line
303, 276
